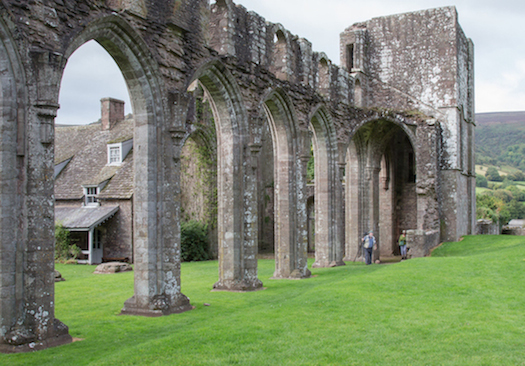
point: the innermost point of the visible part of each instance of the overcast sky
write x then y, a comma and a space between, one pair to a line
496, 27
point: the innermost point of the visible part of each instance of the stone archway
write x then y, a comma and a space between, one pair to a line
237, 205
380, 186
290, 187
329, 251
155, 238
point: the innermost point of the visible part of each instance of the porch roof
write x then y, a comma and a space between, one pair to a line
83, 218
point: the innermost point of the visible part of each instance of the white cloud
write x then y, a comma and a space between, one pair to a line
90, 74
503, 93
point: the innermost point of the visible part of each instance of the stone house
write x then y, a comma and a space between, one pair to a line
94, 184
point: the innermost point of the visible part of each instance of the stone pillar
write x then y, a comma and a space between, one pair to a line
353, 193
328, 196
339, 208
27, 288
237, 218
301, 253
156, 217
251, 239
372, 174
285, 212
386, 216
427, 235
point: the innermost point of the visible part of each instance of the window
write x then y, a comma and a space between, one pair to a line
91, 195
97, 239
350, 57
114, 155
117, 151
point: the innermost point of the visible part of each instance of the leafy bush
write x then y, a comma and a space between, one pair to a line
517, 176
64, 251
194, 241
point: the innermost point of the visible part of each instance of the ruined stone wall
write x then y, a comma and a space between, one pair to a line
255, 73
487, 227
412, 59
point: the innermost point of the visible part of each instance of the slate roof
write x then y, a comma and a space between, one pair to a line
83, 218
87, 147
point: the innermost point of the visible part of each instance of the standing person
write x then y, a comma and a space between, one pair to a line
369, 244
403, 244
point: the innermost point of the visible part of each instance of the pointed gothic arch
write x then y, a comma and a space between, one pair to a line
156, 239
290, 242
377, 159
237, 206
329, 249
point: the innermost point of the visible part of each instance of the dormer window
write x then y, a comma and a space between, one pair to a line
118, 151
114, 155
90, 194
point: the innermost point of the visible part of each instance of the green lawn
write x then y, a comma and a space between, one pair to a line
464, 305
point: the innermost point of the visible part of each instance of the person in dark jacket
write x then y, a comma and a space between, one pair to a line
369, 244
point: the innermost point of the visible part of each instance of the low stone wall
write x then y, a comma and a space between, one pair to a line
487, 227
512, 230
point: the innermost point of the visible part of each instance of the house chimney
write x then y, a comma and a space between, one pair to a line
112, 111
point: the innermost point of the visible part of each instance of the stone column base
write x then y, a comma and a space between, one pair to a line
420, 243
327, 264
159, 305
238, 286
296, 274
21, 340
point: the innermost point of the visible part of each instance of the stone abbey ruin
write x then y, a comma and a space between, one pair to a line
391, 129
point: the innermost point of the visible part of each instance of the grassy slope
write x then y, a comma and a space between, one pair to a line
462, 306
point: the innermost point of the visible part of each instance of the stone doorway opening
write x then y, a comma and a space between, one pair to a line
380, 187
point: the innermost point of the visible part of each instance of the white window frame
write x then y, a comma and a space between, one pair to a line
115, 159
118, 151
90, 194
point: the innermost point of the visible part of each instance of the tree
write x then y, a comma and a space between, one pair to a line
517, 176
481, 181
517, 193
512, 210
493, 175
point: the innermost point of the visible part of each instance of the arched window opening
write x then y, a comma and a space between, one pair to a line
350, 57
279, 38
280, 56
324, 76
358, 94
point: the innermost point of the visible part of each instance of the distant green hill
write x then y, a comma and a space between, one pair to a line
500, 139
